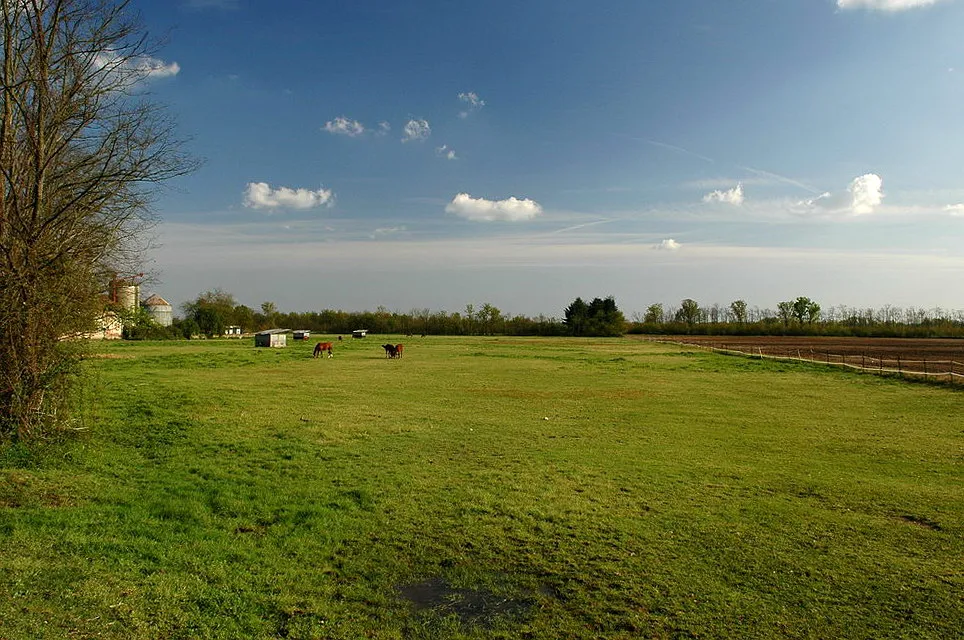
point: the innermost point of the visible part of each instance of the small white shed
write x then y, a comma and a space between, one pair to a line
359, 333
271, 338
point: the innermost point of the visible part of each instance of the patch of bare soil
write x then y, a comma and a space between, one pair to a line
471, 606
935, 356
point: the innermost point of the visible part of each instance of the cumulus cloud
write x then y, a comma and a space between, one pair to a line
472, 101
260, 195
863, 196
344, 127
668, 245
955, 209
732, 196
866, 193
416, 130
383, 128
129, 71
511, 209
154, 68
446, 152
884, 5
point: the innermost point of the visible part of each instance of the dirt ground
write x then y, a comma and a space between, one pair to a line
933, 356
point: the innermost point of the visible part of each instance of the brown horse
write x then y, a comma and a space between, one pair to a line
398, 350
323, 346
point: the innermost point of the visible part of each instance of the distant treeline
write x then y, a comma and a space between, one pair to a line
212, 312
799, 317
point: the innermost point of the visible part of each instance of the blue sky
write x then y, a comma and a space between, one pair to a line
436, 154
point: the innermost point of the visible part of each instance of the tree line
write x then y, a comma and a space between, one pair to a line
798, 316
212, 311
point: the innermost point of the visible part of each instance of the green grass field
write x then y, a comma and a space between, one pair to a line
486, 488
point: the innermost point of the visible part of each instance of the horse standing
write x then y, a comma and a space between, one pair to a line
398, 350
390, 351
323, 346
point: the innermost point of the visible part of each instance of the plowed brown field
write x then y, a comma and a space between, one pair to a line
906, 355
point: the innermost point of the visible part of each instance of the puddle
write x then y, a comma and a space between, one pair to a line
470, 606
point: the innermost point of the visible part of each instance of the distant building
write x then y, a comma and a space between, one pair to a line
125, 292
271, 338
301, 334
359, 333
234, 331
108, 327
159, 309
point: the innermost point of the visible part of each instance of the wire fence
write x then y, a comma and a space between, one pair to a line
932, 369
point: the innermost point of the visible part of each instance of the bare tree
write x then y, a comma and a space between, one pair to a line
83, 150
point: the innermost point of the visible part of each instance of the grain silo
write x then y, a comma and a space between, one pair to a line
125, 293
159, 309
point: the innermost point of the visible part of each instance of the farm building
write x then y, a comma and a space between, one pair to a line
234, 331
125, 292
359, 333
109, 327
271, 338
301, 334
159, 309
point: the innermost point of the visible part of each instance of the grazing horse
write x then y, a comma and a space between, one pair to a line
398, 350
323, 346
390, 351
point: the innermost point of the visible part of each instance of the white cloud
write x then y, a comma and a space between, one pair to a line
446, 152
732, 196
345, 127
129, 71
416, 130
511, 209
154, 68
260, 195
383, 232
383, 128
864, 194
668, 245
884, 5
955, 209
473, 102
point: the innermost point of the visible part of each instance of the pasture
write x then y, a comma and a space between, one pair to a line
486, 488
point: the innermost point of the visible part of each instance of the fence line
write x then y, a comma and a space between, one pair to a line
947, 369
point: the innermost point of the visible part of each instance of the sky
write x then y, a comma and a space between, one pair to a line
434, 154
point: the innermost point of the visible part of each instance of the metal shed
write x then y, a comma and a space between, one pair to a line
271, 338
301, 334
359, 333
